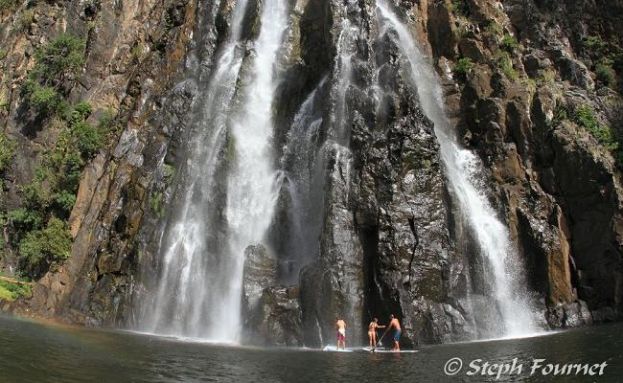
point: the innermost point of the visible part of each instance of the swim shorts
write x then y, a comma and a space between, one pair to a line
341, 335
397, 335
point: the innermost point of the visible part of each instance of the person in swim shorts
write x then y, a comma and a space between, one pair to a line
395, 324
341, 333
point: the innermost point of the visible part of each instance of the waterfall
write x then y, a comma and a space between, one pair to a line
462, 168
305, 186
253, 183
200, 281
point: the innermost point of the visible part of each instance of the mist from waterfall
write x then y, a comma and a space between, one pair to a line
202, 248
462, 168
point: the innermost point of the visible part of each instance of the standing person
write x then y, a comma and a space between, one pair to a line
372, 327
395, 324
341, 333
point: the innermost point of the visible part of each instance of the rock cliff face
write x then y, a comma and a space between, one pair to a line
537, 114
531, 86
133, 53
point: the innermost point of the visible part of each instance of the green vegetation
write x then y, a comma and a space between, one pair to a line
10, 290
606, 74
493, 28
509, 43
24, 220
530, 85
463, 66
548, 76
155, 202
38, 228
3, 53
560, 114
137, 52
53, 190
607, 58
585, 117
41, 248
168, 173
505, 63
460, 7
59, 60
57, 63
43, 99
7, 150
26, 18
8, 4
51, 195
230, 149
593, 43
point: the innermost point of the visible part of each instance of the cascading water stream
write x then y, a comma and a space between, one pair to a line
304, 186
462, 168
253, 182
199, 289
181, 292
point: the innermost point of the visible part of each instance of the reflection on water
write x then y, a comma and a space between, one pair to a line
32, 352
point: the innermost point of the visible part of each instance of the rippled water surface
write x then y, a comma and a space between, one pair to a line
33, 352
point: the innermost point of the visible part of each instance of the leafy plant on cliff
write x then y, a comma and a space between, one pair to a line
26, 18
51, 194
156, 205
593, 43
459, 7
41, 248
505, 63
7, 150
44, 100
6, 5
585, 116
59, 61
56, 65
24, 220
493, 28
463, 66
11, 289
606, 74
509, 43
38, 228
607, 57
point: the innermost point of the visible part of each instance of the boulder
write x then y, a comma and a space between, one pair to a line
275, 319
260, 272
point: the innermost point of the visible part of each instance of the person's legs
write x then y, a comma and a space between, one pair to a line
341, 340
397, 341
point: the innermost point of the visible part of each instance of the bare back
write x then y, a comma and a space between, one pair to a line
395, 324
341, 325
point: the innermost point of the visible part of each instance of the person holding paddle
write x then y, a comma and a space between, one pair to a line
395, 324
372, 327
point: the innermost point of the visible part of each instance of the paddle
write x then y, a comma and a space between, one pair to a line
381, 338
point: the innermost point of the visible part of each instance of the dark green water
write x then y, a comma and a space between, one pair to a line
32, 352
